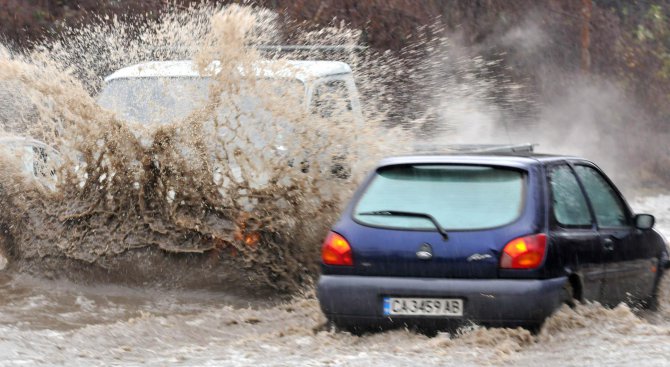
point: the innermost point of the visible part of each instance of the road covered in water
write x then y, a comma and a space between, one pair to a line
55, 322
190, 210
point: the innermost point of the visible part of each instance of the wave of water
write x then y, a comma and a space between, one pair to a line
228, 194
150, 205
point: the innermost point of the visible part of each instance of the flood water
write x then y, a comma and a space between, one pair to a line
47, 322
193, 242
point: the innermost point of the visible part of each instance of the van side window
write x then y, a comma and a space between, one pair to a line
42, 163
607, 205
331, 99
568, 202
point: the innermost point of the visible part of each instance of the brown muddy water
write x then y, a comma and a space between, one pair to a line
45, 322
193, 242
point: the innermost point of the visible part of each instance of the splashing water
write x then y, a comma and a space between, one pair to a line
210, 199
240, 189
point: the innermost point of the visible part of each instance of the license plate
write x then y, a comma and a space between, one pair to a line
423, 306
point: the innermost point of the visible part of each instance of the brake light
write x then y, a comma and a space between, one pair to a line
336, 250
524, 252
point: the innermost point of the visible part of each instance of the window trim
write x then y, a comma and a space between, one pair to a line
627, 211
553, 221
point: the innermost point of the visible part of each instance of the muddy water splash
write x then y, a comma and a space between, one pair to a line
235, 195
155, 204
56, 322
211, 196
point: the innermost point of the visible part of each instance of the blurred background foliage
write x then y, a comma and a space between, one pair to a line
627, 41
630, 39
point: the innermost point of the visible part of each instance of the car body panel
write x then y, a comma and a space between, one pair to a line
580, 249
630, 256
465, 254
488, 301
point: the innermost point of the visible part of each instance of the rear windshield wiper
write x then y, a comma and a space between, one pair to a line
398, 213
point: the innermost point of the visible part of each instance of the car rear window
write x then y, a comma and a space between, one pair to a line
459, 197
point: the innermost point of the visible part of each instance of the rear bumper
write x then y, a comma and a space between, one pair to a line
358, 300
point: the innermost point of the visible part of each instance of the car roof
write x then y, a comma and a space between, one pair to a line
301, 70
518, 160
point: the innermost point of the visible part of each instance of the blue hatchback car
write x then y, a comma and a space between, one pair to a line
505, 239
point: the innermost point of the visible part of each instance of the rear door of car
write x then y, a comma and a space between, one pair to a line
573, 231
629, 261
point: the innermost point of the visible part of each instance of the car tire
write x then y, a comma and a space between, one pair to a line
569, 295
345, 327
534, 328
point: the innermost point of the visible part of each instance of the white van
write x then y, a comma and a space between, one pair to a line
161, 92
168, 91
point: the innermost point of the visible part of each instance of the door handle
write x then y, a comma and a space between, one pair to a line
608, 244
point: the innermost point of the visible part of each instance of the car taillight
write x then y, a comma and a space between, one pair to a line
524, 252
336, 251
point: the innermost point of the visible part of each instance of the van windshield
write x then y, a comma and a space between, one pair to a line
153, 100
458, 197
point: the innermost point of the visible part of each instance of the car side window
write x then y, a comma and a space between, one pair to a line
607, 205
568, 202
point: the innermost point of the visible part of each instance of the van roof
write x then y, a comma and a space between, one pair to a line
21, 140
302, 70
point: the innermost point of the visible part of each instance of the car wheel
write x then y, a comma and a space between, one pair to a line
534, 328
353, 330
569, 295
339, 326
651, 303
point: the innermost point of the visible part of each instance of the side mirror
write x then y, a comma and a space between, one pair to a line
644, 221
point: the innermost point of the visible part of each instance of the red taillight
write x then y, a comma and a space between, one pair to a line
524, 252
336, 250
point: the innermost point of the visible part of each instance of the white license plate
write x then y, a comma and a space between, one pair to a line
423, 306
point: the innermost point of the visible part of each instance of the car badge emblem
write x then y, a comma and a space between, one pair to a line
425, 252
477, 257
